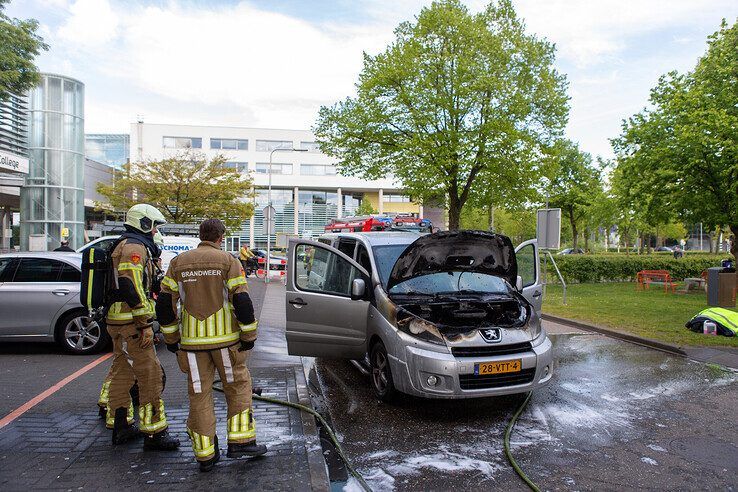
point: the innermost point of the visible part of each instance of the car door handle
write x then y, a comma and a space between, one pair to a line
537, 293
298, 302
60, 292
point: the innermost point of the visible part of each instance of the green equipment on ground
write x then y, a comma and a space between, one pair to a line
726, 321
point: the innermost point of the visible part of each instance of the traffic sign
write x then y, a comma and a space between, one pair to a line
548, 228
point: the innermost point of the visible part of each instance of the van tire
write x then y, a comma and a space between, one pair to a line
381, 374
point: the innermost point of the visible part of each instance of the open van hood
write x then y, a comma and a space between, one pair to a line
457, 251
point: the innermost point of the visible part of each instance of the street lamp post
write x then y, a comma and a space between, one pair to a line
269, 204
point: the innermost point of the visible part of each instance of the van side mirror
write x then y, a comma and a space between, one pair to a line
358, 289
519, 283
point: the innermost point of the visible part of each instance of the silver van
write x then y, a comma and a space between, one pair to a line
444, 315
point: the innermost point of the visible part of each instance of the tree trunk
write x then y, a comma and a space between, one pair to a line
491, 218
574, 232
586, 239
454, 212
712, 239
734, 243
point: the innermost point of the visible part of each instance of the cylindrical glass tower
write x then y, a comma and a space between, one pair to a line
53, 195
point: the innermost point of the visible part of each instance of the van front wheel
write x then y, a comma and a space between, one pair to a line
381, 374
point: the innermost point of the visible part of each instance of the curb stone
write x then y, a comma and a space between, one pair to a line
316, 462
701, 354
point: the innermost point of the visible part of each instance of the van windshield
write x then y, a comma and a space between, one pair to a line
435, 283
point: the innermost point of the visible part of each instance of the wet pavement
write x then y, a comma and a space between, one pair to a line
616, 417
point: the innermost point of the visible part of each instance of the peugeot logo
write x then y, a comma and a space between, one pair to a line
491, 334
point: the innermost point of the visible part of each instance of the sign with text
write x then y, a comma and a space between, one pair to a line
13, 162
548, 228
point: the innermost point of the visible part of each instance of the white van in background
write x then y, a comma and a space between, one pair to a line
173, 245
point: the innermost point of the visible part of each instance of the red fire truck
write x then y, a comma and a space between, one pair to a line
379, 223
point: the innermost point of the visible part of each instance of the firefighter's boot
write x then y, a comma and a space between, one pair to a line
122, 430
207, 465
161, 441
242, 450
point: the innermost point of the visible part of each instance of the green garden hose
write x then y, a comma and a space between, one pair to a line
509, 455
327, 428
357, 475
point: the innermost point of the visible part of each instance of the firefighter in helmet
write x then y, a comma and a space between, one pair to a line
130, 320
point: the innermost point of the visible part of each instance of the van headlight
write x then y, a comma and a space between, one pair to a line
419, 328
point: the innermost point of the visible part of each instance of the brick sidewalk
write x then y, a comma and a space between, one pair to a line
61, 443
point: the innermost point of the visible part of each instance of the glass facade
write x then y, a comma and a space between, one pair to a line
182, 142
277, 168
53, 195
317, 169
14, 125
269, 145
229, 144
108, 148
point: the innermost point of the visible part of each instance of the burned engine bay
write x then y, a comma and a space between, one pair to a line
456, 315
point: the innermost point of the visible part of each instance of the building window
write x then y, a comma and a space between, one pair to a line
317, 169
263, 168
396, 198
239, 166
310, 146
269, 145
182, 143
229, 144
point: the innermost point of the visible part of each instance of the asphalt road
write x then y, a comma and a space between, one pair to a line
616, 417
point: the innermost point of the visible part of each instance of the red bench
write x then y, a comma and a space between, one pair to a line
644, 278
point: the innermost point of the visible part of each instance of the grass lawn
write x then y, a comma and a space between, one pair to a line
649, 314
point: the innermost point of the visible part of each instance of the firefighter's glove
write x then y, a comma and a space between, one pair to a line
173, 347
246, 346
147, 337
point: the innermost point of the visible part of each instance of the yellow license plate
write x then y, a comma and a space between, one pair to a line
499, 367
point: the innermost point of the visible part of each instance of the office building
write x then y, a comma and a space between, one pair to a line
307, 191
112, 149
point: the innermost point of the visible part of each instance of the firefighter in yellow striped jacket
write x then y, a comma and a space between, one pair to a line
212, 330
130, 324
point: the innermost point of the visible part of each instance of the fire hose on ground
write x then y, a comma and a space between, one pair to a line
508, 431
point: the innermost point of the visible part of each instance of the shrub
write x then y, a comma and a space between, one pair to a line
619, 268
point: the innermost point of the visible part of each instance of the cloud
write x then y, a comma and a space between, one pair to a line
591, 32
90, 23
183, 61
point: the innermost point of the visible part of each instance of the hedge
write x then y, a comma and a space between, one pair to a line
616, 268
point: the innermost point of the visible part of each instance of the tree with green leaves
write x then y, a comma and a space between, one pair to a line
365, 208
187, 188
459, 104
19, 46
575, 185
683, 150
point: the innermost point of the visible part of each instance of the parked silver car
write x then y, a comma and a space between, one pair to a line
39, 302
444, 315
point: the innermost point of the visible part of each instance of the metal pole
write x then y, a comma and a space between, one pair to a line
700, 236
560, 276
269, 216
269, 201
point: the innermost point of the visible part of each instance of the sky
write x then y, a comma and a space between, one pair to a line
274, 63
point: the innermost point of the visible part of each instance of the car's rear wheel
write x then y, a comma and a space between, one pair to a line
381, 374
78, 334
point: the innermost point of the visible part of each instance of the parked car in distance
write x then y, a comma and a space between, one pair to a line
39, 300
444, 315
571, 251
665, 249
173, 245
